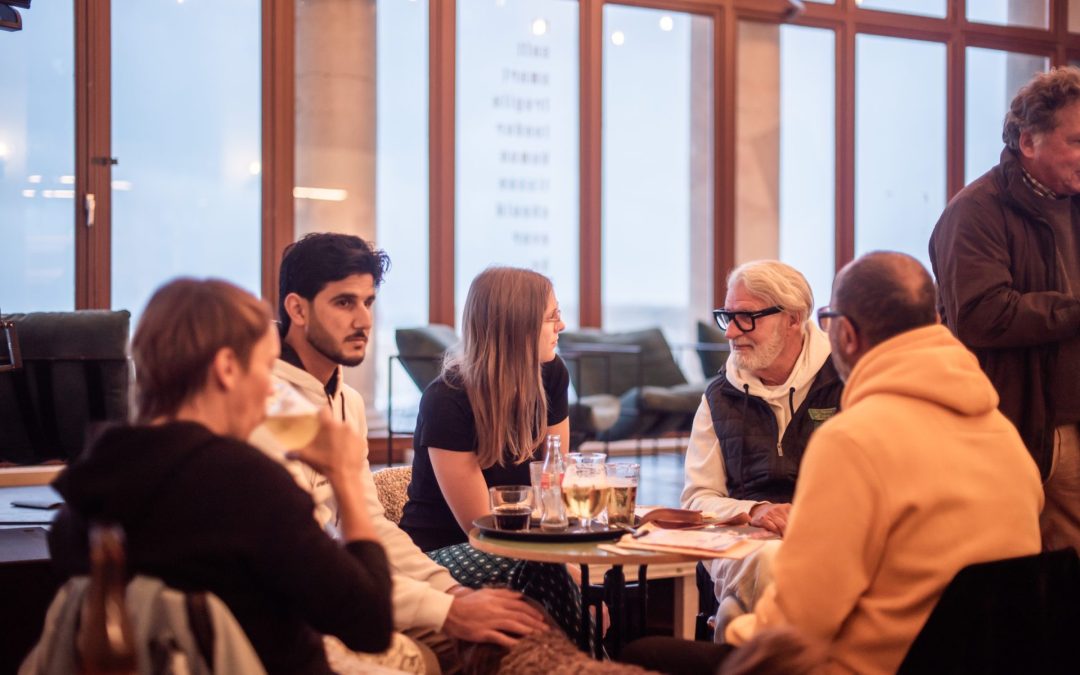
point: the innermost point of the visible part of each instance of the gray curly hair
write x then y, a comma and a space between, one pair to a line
1035, 105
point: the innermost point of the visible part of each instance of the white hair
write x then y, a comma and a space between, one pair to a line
777, 284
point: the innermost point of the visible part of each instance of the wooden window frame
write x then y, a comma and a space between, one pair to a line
93, 157
844, 17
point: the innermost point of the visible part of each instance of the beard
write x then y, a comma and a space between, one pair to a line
763, 354
843, 368
324, 343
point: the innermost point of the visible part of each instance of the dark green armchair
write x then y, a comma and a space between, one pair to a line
74, 373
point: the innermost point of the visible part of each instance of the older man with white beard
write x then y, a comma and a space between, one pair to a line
755, 420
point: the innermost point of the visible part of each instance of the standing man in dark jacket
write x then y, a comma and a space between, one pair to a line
755, 420
1006, 254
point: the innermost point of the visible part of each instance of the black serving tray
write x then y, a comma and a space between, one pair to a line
574, 532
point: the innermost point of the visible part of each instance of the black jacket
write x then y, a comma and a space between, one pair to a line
203, 512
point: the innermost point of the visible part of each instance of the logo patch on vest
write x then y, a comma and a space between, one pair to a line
819, 415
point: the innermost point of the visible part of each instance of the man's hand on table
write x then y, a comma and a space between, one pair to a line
491, 615
772, 517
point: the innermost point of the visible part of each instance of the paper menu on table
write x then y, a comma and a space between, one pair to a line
726, 542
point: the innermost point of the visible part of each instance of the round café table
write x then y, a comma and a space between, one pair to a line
613, 591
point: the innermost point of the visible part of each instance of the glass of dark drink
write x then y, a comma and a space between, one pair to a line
511, 507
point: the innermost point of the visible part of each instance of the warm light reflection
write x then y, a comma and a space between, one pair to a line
617, 38
255, 168
121, 185
666, 23
67, 180
28, 193
320, 194
36, 178
3, 150
539, 27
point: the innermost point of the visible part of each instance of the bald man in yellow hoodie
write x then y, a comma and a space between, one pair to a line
918, 476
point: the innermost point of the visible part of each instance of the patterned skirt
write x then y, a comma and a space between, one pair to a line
547, 583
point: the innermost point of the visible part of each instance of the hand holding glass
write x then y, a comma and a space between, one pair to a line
290, 418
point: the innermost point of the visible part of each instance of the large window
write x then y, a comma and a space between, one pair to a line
785, 162
37, 162
401, 178
934, 8
629, 151
993, 77
186, 133
900, 144
1031, 13
657, 170
517, 142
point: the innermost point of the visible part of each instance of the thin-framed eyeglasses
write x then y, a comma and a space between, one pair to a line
746, 321
826, 314
554, 317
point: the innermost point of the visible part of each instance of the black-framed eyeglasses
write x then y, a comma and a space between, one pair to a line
745, 321
826, 314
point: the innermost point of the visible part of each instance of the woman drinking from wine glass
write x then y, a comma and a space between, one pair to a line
500, 394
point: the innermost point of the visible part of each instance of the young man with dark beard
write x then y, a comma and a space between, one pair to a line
328, 283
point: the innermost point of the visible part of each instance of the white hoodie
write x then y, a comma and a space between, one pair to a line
420, 585
706, 478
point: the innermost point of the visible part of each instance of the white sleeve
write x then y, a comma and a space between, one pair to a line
706, 478
420, 585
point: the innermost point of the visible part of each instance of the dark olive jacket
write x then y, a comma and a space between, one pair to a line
1001, 290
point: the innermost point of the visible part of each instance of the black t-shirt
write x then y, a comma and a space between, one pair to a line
446, 422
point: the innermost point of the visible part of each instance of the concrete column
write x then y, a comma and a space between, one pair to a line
335, 129
702, 173
757, 139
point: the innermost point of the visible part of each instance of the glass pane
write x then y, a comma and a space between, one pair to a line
1074, 16
37, 161
401, 178
186, 118
1031, 13
657, 170
517, 142
899, 143
786, 150
935, 8
993, 78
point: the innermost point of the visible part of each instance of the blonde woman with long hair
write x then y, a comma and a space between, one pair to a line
500, 394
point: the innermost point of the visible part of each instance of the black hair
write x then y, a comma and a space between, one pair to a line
318, 259
885, 293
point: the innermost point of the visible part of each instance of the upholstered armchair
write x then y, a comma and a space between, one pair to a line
73, 373
639, 368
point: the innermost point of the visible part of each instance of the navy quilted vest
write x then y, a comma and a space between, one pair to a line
759, 465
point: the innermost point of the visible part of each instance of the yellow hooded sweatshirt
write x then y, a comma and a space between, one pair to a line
918, 476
